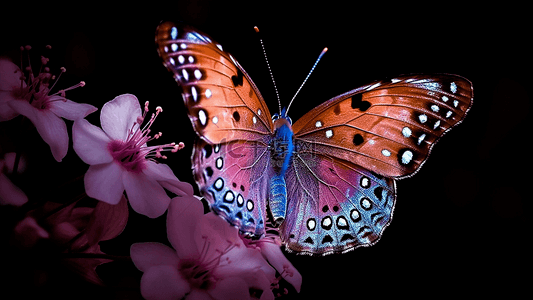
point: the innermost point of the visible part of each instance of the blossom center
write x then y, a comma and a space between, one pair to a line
196, 273
37, 89
132, 153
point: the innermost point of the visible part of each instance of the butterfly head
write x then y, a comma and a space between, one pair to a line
281, 119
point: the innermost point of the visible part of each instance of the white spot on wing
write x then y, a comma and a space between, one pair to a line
373, 86
329, 133
385, 152
421, 138
174, 33
406, 131
453, 87
423, 118
215, 119
174, 47
198, 74
318, 124
202, 117
194, 94
407, 156
185, 74
208, 93
219, 184
311, 224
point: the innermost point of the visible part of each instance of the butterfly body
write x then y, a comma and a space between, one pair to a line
282, 147
329, 179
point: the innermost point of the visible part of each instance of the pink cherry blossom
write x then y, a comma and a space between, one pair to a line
30, 96
208, 259
270, 249
121, 161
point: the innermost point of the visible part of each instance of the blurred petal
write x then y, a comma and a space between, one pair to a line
90, 143
183, 215
10, 193
10, 75
230, 288
104, 182
6, 112
167, 179
107, 221
163, 282
197, 294
27, 232
118, 116
51, 128
147, 255
70, 110
275, 257
146, 196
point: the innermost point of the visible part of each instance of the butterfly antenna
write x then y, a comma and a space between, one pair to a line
269, 70
312, 69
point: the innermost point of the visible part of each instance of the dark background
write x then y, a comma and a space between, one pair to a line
459, 226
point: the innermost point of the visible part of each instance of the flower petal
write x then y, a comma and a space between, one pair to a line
275, 257
90, 143
104, 182
118, 116
230, 288
6, 112
70, 110
51, 128
10, 193
219, 232
244, 260
10, 74
147, 255
107, 221
197, 294
183, 215
162, 283
146, 196
164, 175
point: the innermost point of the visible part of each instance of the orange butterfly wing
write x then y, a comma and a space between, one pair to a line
224, 104
388, 127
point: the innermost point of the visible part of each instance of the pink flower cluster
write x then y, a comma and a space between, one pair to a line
208, 258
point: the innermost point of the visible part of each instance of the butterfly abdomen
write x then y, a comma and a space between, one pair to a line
278, 198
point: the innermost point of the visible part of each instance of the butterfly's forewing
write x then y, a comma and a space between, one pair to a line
334, 206
223, 102
231, 162
388, 127
233, 177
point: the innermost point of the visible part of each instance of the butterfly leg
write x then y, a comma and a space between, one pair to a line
278, 198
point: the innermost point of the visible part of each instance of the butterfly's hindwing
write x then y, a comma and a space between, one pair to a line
223, 102
233, 177
388, 127
334, 206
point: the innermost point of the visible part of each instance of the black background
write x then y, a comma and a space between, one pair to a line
459, 226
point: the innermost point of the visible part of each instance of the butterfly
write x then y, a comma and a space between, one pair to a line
329, 179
